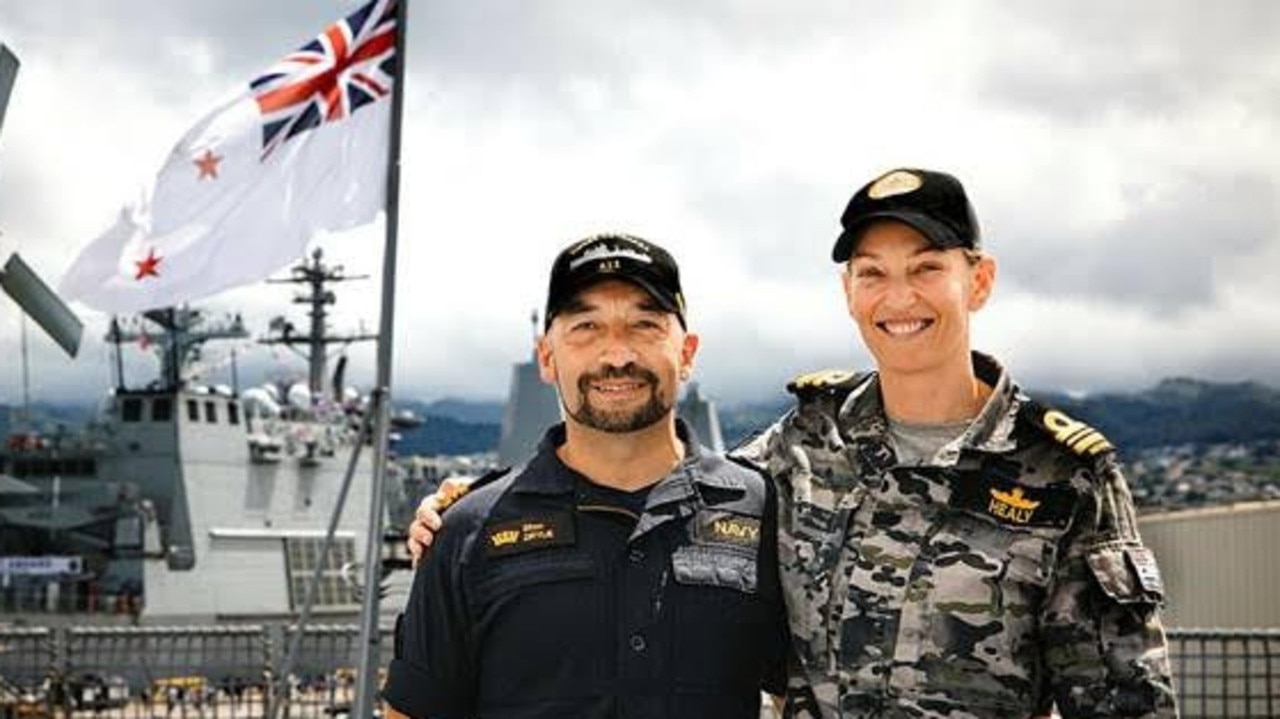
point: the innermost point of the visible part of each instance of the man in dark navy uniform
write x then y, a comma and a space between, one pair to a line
623, 571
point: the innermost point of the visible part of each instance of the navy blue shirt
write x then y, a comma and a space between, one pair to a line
549, 596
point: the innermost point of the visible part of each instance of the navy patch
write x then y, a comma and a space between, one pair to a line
527, 534
725, 528
1011, 503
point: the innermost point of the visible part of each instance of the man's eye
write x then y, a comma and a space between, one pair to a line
868, 272
927, 268
582, 326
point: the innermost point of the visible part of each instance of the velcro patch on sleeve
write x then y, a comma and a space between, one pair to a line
1144, 564
527, 534
1013, 504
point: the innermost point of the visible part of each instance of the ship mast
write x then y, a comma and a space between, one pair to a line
185, 331
316, 276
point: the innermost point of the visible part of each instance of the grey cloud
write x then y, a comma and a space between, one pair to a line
23, 204
1162, 257
1152, 57
243, 37
785, 223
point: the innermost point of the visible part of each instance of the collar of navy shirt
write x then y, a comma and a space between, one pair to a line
676, 495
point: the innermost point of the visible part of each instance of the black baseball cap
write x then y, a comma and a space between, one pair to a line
934, 203
615, 257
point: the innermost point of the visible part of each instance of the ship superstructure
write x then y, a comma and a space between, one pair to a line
191, 503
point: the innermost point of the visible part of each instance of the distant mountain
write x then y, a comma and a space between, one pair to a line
1179, 411
46, 417
1175, 411
445, 435
742, 421
463, 410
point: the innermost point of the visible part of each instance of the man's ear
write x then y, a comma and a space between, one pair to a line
688, 351
546, 360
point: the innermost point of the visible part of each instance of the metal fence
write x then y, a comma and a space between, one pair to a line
204, 672
1227, 673
210, 672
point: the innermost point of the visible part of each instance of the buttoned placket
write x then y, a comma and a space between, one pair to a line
645, 577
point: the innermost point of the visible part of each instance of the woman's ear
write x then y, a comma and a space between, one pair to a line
984, 280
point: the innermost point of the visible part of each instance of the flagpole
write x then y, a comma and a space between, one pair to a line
369, 635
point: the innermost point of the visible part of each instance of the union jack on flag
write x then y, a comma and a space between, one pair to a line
349, 65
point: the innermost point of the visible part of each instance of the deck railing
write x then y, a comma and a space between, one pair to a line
226, 671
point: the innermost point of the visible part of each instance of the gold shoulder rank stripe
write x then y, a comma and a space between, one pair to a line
1012, 505
1078, 436
821, 378
451, 491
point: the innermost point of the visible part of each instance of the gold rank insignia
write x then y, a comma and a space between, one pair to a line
450, 491
1012, 505
898, 182
821, 380
1076, 435
455, 488
529, 533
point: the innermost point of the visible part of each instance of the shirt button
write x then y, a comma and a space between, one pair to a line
637, 643
636, 556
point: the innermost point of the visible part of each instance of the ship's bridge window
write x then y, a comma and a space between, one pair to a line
211, 412
302, 554
161, 409
131, 410
193, 411
233, 412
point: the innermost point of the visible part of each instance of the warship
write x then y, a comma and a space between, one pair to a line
189, 503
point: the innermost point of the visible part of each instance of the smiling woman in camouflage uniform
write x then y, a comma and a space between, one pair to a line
949, 547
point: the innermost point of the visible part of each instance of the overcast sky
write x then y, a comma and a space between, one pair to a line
1122, 158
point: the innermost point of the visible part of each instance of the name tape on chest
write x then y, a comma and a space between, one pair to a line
1014, 504
731, 529
527, 534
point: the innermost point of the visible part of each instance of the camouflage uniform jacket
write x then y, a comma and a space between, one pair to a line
1002, 577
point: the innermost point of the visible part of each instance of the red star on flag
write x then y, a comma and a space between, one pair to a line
208, 165
147, 266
